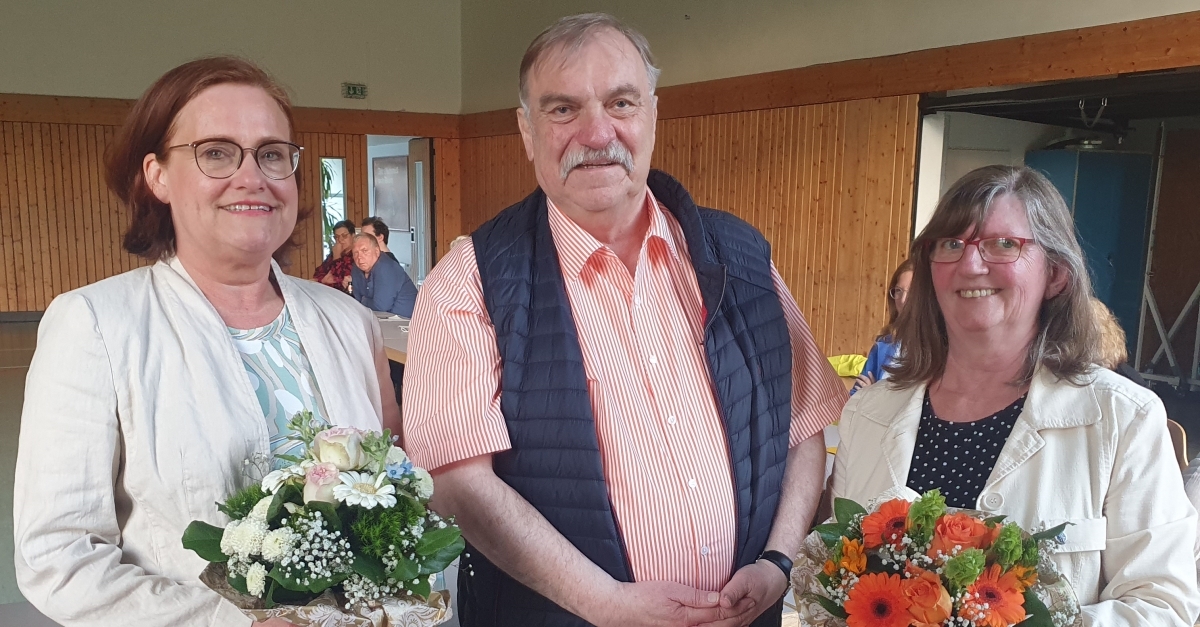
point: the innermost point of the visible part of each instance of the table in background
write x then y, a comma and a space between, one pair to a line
395, 338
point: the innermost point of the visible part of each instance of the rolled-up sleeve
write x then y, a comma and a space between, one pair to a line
817, 393
67, 530
452, 376
1147, 563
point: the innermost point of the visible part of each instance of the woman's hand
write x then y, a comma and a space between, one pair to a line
338, 250
863, 381
273, 622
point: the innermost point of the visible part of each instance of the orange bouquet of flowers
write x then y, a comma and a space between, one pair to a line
920, 564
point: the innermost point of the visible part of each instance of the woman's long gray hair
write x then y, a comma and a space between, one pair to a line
1066, 340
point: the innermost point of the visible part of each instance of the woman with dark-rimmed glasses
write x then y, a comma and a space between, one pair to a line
996, 401
151, 391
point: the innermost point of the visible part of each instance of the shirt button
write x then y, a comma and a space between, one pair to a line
637, 301
654, 359
993, 501
704, 550
671, 420
692, 484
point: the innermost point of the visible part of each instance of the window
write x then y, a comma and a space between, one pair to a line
333, 197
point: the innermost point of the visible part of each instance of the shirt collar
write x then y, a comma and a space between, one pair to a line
576, 246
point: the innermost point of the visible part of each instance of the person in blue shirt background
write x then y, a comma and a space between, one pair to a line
884, 352
379, 281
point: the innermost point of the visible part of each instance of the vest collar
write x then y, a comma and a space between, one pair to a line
710, 274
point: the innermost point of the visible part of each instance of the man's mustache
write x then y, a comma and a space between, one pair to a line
614, 152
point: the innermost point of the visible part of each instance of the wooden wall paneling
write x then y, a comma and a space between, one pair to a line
79, 235
495, 175
7, 257
447, 190
102, 263
27, 176
67, 251
57, 209
826, 184
82, 235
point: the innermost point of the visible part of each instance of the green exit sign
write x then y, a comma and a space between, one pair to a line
354, 90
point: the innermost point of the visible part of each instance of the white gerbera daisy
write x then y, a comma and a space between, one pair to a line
277, 544
276, 478
364, 489
256, 579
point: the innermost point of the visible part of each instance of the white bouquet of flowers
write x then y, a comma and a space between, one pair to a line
340, 536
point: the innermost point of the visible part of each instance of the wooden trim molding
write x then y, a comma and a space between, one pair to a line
112, 112
63, 110
370, 122
1158, 43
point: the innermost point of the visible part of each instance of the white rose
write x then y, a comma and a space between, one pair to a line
340, 446
423, 483
277, 544
256, 579
260, 508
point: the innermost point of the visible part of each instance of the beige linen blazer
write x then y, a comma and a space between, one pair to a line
138, 418
1097, 456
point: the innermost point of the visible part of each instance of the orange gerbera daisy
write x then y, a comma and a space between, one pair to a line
854, 558
877, 601
1026, 577
995, 599
886, 525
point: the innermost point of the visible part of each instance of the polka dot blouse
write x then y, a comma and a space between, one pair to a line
957, 457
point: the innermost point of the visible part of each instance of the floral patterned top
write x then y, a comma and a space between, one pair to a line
340, 269
281, 376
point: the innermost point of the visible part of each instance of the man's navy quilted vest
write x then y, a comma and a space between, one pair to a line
555, 460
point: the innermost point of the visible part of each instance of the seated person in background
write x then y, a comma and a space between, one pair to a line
996, 401
335, 270
884, 352
375, 226
379, 282
1113, 354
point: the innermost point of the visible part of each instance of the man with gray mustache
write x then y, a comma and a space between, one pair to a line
616, 394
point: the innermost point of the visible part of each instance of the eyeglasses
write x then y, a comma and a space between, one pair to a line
992, 249
220, 159
897, 293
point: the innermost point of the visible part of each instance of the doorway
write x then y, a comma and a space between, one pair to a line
399, 177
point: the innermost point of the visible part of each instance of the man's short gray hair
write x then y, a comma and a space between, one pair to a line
569, 33
367, 237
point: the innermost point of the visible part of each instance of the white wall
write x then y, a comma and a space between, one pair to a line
953, 144
973, 141
696, 41
408, 52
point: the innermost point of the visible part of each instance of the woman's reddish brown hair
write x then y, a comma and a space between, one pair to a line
150, 125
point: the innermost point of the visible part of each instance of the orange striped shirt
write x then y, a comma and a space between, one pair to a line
662, 441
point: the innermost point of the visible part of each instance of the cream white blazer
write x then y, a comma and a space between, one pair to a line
138, 417
1097, 456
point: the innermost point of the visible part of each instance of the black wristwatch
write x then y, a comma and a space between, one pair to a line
779, 559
